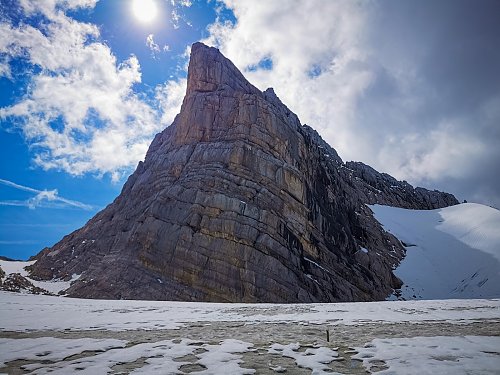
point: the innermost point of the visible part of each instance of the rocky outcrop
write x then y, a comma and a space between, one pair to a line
14, 282
236, 201
381, 188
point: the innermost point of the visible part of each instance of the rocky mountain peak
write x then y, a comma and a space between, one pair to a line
238, 201
210, 71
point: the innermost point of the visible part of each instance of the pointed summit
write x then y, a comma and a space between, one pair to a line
210, 71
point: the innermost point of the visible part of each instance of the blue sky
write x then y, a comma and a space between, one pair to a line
411, 88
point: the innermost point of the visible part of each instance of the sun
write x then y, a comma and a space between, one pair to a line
144, 10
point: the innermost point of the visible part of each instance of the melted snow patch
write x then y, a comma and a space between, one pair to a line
51, 349
55, 286
224, 358
315, 359
162, 357
432, 355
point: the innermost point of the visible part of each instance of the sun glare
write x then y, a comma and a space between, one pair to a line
144, 10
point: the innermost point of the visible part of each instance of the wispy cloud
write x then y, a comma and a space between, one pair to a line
152, 45
155, 47
177, 13
42, 198
183, 3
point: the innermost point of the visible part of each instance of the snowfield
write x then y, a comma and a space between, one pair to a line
25, 313
42, 334
453, 252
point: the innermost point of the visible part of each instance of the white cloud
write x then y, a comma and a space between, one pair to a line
430, 156
42, 198
154, 47
81, 113
175, 17
51, 8
169, 97
177, 13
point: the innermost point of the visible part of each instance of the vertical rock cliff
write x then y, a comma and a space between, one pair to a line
237, 201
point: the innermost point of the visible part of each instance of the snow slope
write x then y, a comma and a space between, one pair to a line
453, 252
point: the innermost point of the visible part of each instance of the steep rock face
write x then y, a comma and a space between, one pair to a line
236, 201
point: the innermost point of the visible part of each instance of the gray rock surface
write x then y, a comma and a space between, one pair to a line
237, 201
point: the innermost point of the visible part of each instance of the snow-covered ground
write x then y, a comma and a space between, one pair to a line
453, 252
21, 312
42, 334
